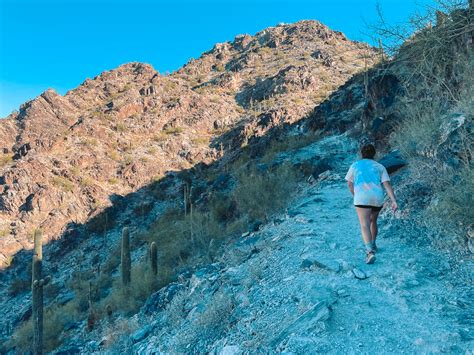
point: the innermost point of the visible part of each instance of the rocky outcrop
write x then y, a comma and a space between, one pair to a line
64, 156
368, 109
456, 140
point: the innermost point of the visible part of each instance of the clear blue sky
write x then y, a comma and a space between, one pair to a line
58, 44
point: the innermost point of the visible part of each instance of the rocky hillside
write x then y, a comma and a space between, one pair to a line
64, 157
232, 166
298, 285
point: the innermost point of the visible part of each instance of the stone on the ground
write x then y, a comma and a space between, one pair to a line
359, 274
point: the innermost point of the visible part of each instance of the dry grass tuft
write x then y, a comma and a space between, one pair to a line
259, 194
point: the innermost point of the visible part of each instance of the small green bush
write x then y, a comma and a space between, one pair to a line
5, 159
114, 155
87, 181
455, 193
173, 130
19, 286
201, 140
4, 231
219, 67
113, 181
120, 127
260, 194
160, 137
62, 183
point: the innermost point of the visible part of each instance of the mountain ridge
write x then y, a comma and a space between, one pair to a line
85, 139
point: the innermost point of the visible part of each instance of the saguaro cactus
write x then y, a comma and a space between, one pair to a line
210, 250
126, 261
154, 258
37, 283
91, 315
109, 311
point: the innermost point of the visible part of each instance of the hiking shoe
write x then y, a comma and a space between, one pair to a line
370, 258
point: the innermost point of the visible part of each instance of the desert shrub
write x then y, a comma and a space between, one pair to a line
87, 181
222, 207
203, 228
265, 50
128, 300
260, 194
80, 286
175, 309
75, 171
127, 160
120, 127
152, 150
288, 143
5, 159
5, 231
219, 67
201, 140
298, 101
455, 192
112, 262
126, 87
19, 286
419, 132
211, 324
142, 209
160, 137
181, 237
114, 155
62, 183
113, 181
22, 338
173, 130
215, 318
103, 221
51, 290
117, 331
89, 142
55, 318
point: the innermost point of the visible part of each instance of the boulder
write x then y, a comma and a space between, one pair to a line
456, 136
159, 300
393, 161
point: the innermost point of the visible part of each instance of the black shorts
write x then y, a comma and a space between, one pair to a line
374, 208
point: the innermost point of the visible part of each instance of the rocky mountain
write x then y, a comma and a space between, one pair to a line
64, 156
229, 173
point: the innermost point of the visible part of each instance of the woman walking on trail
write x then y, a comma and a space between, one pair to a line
365, 179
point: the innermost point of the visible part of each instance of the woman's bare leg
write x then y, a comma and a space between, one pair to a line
364, 220
373, 224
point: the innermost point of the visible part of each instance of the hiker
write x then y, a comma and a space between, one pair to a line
365, 179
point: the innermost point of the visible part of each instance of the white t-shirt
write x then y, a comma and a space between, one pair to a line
368, 176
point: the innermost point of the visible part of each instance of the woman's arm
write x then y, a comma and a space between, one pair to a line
350, 185
388, 188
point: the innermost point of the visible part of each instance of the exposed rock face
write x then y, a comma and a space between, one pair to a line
456, 130
358, 107
64, 156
